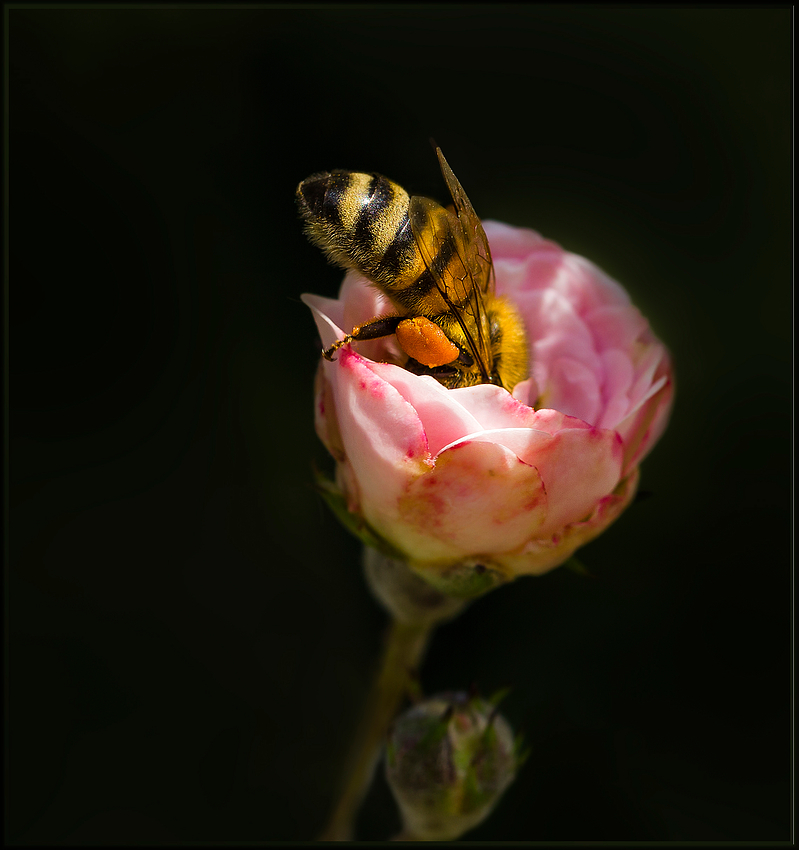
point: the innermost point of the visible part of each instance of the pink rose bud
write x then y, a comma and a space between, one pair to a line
514, 482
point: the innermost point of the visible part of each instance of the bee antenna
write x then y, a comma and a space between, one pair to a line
433, 143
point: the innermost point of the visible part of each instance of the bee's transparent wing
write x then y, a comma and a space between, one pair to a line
478, 257
449, 255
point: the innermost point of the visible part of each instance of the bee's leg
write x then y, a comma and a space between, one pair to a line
383, 326
446, 375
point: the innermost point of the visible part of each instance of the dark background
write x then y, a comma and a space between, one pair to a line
189, 634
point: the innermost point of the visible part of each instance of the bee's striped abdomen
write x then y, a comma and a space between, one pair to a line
361, 221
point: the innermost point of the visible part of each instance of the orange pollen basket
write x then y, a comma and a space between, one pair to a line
426, 342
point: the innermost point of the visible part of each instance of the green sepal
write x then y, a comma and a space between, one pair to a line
435, 734
498, 696
577, 566
355, 524
520, 752
489, 736
522, 758
463, 582
473, 795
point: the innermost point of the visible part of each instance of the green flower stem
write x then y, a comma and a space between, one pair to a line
402, 655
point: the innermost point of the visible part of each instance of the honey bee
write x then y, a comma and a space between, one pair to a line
434, 264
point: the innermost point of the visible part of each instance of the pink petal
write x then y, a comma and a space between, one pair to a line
383, 438
443, 418
545, 270
527, 392
578, 467
642, 429
492, 407
325, 418
553, 421
572, 388
556, 328
588, 287
363, 301
327, 313
359, 302
480, 498
539, 556
653, 358
617, 371
615, 326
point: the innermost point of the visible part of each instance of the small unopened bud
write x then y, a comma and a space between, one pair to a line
448, 761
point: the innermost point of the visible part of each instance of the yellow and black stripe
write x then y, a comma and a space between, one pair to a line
362, 221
